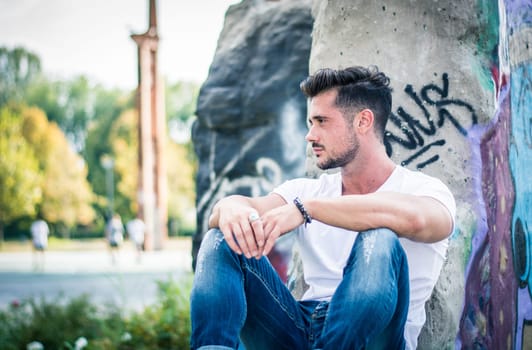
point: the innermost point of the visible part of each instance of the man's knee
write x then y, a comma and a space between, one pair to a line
212, 245
384, 234
211, 237
212, 241
378, 242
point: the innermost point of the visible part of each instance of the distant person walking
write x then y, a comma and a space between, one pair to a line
115, 236
135, 230
39, 234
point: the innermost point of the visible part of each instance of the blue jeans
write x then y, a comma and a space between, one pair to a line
234, 298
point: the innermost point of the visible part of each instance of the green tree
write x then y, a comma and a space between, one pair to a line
69, 103
123, 140
108, 106
181, 99
180, 171
18, 68
20, 178
124, 145
67, 195
181, 185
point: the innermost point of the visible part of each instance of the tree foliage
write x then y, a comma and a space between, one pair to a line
181, 185
124, 145
109, 108
181, 100
20, 177
66, 194
18, 68
75, 104
42, 172
123, 138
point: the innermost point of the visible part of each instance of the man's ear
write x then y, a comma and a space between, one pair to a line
363, 121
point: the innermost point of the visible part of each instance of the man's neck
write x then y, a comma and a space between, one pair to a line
367, 176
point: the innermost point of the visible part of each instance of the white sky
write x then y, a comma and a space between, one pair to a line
92, 37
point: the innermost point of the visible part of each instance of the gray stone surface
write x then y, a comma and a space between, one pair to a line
431, 51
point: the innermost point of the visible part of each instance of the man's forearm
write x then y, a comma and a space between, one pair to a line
417, 218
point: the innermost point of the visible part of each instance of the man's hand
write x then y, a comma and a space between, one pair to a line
238, 217
279, 221
242, 229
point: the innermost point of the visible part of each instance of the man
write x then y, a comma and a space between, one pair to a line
372, 238
39, 233
114, 232
135, 229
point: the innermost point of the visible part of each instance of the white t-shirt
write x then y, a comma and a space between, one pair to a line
135, 230
324, 249
39, 232
115, 231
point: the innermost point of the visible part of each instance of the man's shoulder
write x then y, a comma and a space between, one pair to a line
418, 176
422, 184
323, 180
323, 185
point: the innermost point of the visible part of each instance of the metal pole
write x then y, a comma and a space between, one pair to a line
108, 164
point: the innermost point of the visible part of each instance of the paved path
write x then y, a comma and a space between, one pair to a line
100, 261
66, 274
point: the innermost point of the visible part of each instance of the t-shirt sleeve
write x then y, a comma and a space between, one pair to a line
290, 189
436, 189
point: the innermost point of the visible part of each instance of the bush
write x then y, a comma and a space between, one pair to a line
165, 325
59, 325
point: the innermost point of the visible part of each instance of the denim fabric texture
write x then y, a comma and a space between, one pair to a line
235, 299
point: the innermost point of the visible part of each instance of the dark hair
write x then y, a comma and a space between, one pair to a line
358, 88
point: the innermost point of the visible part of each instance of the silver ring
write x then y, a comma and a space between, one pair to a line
253, 216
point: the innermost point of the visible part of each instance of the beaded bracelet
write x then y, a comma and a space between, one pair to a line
303, 211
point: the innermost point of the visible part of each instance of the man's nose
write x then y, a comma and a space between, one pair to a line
310, 137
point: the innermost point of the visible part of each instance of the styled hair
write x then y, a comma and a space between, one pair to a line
358, 88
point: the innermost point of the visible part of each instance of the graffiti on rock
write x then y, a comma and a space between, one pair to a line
416, 133
520, 156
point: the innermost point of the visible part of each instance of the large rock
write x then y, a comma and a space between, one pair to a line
438, 56
249, 135
461, 71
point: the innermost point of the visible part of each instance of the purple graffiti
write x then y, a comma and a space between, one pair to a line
489, 307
